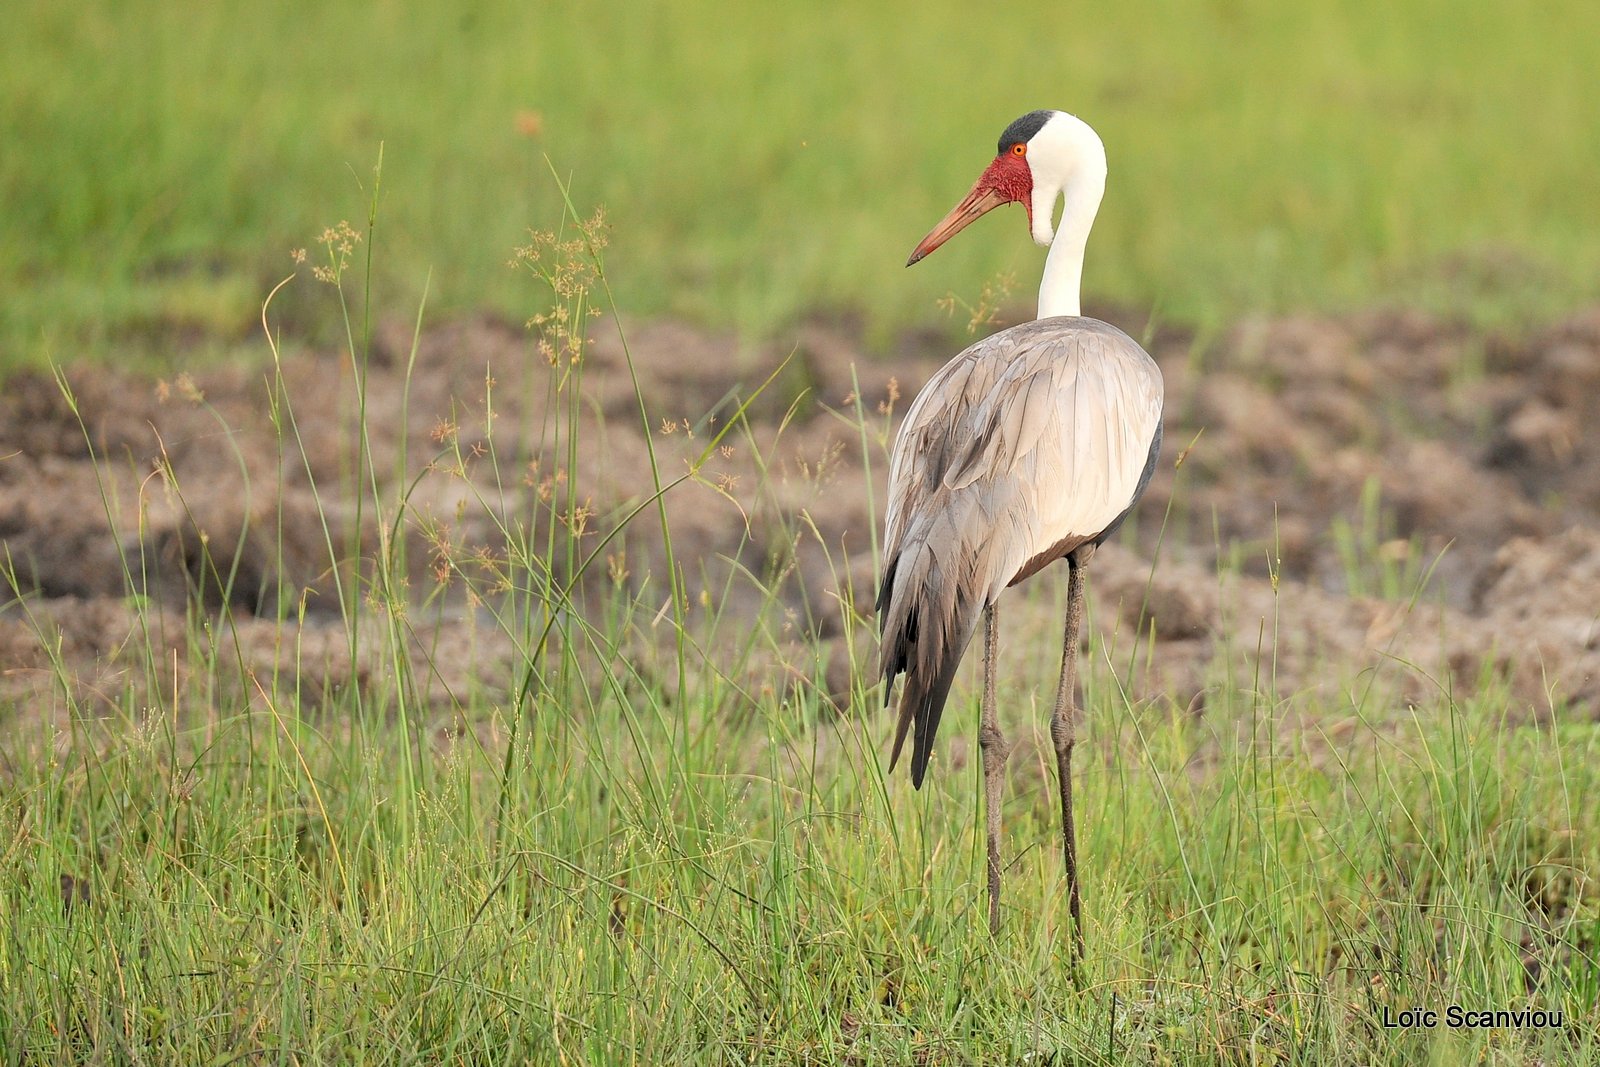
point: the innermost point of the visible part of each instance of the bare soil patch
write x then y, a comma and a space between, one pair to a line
1322, 459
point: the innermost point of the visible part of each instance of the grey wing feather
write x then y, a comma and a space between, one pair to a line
1026, 444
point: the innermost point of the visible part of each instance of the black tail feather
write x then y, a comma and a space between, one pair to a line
926, 628
928, 716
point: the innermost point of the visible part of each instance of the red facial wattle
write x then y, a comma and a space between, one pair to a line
1011, 176
1006, 180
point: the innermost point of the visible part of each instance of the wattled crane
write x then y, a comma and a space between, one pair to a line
1030, 446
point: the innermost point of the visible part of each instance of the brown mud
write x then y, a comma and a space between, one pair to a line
1385, 490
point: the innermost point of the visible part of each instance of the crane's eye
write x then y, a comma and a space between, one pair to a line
1019, 149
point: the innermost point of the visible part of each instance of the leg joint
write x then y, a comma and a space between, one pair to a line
1063, 731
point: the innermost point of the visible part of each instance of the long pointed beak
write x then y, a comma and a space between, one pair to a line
983, 198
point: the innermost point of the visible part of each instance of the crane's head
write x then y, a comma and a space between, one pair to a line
1040, 155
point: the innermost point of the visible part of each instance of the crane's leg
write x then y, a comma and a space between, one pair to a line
995, 751
1063, 731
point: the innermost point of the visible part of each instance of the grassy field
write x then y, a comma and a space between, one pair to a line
617, 857
766, 162
284, 886
608, 860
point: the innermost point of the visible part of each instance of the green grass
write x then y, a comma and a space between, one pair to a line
273, 888
605, 860
768, 161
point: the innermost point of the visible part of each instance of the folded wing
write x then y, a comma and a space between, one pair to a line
1027, 445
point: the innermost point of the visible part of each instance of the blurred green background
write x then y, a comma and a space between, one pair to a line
761, 162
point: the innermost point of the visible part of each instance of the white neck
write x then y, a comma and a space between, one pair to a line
1069, 163
1063, 267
